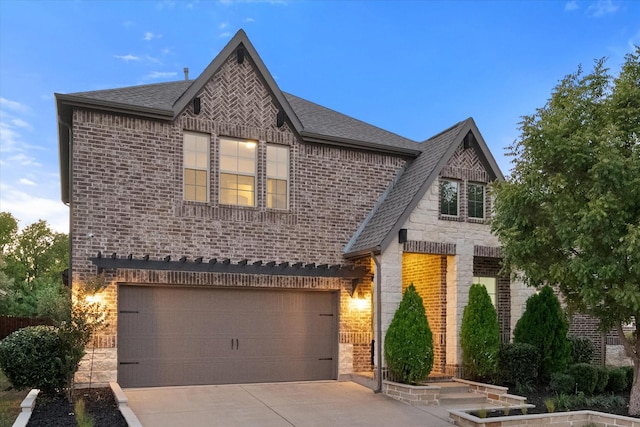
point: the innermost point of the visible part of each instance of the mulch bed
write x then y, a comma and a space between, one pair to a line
57, 411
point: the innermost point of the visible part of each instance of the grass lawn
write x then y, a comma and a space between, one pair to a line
10, 400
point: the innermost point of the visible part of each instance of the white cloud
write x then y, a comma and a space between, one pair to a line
128, 57
28, 208
571, 6
25, 181
150, 36
601, 8
20, 123
249, 19
223, 25
160, 74
225, 34
23, 160
13, 105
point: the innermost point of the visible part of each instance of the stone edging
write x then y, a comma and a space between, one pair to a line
123, 405
414, 395
495, 393
27, 406
461, 418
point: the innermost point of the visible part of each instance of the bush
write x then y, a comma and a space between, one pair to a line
617, 380
34, 357
519, 364
603, 379
582, 349
545, 326
586, 377
562, 383
480, 335
408, 344
629, 373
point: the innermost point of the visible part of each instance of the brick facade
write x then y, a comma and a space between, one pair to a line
127, 194
490, 267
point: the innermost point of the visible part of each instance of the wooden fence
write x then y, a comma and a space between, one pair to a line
9, 324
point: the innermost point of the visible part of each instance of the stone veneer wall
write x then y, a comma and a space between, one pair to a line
428, 275
127, 193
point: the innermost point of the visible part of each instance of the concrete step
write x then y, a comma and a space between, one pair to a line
462, 398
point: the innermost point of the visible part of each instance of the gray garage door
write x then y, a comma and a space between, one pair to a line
186, 336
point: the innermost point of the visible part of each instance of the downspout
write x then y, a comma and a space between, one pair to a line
70, 189
378, 322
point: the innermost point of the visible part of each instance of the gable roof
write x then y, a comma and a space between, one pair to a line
165, 101
381, 226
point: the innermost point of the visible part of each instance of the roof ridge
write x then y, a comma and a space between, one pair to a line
133, 86
460, 123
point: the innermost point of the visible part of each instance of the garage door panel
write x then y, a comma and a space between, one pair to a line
181, 336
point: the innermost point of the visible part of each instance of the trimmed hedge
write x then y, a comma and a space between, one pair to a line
36, 357
479, 335
519, 363
586, 377
603, 379
617, 380
408, 345
562, 383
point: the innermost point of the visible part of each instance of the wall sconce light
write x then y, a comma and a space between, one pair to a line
402, 235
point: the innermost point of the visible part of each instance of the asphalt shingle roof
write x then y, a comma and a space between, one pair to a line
160, 96
397, 201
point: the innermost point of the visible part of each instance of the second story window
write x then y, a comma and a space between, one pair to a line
237, 172
196, 167
449, 198
475, 201
277, 176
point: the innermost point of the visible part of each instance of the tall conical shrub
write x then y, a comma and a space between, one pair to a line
479, 335
408, 345
545, 326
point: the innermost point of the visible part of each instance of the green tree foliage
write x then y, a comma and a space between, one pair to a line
544, 326
480, 335
569, 215
408, 345
31, 264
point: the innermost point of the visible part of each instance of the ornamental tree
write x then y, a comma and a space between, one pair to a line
479, 335
569, 214
408, 344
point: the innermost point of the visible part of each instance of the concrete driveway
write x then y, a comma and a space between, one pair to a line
303, 404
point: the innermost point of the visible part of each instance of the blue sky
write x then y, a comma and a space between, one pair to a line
411, 67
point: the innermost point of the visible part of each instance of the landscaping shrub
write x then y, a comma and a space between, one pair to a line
34, 357
562, 383
545, 326
617, 380
629, 372
582, 349
586, 377
408, 345
603, 379
479, 335
519, 364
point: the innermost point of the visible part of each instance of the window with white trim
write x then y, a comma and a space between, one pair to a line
196, 167
277, 177
449, 197
475, 201
237, 172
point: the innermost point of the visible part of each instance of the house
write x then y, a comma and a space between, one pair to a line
249, 235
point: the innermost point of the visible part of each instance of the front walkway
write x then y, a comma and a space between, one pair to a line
303, 404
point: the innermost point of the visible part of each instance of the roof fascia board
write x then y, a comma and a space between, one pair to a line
240, 38
484, 148
64, 140
115, 107
352, 143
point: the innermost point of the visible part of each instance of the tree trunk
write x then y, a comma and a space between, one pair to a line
632, 348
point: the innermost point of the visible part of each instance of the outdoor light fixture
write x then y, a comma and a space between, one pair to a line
196, 105
402, 235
